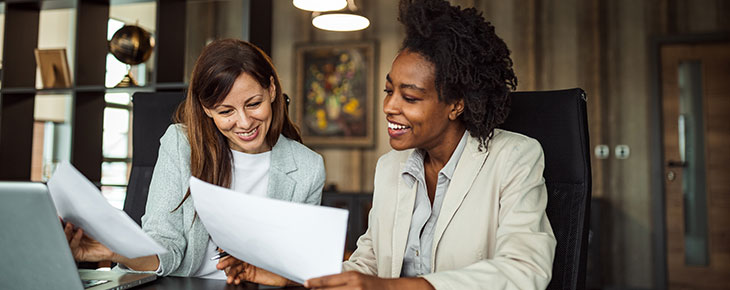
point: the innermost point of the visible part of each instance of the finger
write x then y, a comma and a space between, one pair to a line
68, 230
328, 281
223, 263
74, 244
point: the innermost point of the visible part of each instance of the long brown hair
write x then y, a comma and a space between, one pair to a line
215, 71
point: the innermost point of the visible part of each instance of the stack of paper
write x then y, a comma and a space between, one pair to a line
78, 201
296, 241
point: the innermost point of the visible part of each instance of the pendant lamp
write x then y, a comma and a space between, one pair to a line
348, 19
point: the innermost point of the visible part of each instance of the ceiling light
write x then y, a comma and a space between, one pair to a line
344, 20
340, 21
320, 5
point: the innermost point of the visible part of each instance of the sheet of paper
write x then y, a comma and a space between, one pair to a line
296, 241
78, 201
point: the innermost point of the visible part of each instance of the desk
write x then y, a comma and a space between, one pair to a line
184, 283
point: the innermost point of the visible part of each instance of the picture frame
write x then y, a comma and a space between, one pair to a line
335, 98
53, 67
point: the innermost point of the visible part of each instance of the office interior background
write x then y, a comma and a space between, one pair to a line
621, 52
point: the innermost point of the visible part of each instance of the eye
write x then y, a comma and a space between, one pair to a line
388, 91
253, 105
225, 112
409, 99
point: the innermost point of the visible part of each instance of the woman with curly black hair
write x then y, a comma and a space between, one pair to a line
459, 204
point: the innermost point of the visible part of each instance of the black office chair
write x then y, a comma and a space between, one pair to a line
152, 114
558, 120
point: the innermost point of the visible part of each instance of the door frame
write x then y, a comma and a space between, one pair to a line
656, 156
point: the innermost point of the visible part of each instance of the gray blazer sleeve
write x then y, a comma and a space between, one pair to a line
167, 188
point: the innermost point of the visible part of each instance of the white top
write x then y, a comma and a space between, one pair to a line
250, 176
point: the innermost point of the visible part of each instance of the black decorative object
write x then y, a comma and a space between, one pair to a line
131, 45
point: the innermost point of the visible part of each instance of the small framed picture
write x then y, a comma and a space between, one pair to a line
335, 97
53, 66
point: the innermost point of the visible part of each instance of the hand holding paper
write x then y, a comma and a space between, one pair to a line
78, 201
296, 241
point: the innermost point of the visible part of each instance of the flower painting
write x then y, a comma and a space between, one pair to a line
334, 102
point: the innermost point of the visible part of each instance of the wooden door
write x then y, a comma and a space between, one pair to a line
695, 83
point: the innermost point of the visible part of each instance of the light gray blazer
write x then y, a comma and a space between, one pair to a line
296, 174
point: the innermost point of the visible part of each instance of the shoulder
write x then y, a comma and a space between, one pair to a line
174, 133
390, 164
394, 157
175, 139
509, 141
303, 156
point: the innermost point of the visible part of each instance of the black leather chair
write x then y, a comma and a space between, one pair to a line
152, 114
558, 120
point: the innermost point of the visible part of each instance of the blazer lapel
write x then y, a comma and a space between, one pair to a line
467, 169
281, 186
406, 199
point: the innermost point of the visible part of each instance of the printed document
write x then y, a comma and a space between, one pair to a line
294, 240
78, 201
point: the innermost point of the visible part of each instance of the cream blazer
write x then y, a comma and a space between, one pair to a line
492, 232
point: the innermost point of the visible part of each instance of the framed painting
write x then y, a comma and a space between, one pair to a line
54, 68
334, 101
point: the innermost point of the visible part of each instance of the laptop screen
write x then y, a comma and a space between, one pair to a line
33, 248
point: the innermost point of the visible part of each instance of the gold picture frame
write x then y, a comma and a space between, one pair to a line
54, 69
335, 98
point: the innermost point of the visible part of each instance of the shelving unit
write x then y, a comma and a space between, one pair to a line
17, 95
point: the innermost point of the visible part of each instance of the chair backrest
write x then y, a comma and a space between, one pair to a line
558, 120
152, 114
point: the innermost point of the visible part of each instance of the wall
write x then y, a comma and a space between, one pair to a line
348, 169
602, 46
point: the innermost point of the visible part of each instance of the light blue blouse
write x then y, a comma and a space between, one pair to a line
417, 259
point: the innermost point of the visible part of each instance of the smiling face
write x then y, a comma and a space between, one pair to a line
244, 116
416, 117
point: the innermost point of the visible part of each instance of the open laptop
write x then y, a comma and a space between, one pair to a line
34, 253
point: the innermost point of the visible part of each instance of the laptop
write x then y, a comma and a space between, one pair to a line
34, 253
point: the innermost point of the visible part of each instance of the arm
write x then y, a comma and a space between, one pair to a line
167, 188
87, 249
315, 192
363, 260
162, 225
525, 244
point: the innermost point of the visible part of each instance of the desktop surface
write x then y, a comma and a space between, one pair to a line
168, 283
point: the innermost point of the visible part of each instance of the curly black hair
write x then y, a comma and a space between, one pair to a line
471, 62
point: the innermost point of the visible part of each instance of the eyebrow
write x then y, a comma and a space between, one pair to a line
405, 86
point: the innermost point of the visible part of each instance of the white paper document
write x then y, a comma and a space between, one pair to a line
78, 201
294, 240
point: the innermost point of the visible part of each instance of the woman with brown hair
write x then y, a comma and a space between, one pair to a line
233, 131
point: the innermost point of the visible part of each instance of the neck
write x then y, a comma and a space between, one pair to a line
440, 154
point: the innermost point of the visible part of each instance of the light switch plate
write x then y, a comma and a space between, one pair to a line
622, 151
602, 151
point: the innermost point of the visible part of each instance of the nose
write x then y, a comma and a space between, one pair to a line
243, 120
390, 106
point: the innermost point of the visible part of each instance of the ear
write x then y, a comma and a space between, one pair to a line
456, 109
272, 89
207, 112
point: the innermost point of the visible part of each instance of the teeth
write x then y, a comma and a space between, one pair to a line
396, 126
249, 133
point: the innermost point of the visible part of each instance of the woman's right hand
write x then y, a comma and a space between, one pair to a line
83, 247
238, 271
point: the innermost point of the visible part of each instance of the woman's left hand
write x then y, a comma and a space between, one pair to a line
357, 280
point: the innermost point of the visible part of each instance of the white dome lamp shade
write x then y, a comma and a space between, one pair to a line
345, 20
320, 5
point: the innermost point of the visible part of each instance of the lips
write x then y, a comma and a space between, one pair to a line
248, 136
396, 130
